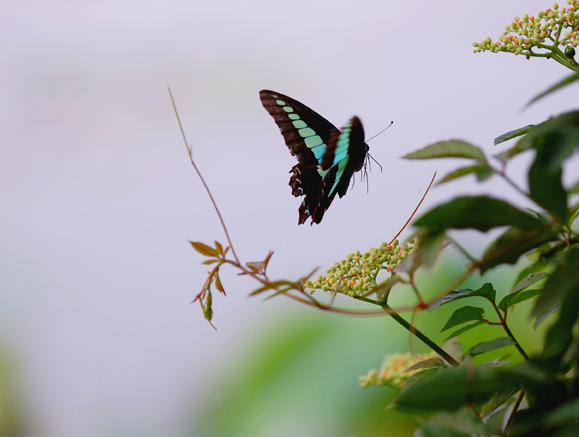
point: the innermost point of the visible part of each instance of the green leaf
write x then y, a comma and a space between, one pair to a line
512, 244
218, 247
502, 397
482, 213
513, 134
203, 249
546, 188
561, 289
483, 172
434, 430
427, 364
448, 389
538, 266
561, 282
464, 329
573, 190
494, 424
487, 291
488, 346
460, 423
449, 149
517, 297
565, 414
558, 135
568, 80
210, 261
451, 388
463, 315
529, 280
207, 309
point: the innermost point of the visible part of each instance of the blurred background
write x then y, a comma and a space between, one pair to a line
99, 200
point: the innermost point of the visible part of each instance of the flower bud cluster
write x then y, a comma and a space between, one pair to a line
392, 370
356, 275
553, 27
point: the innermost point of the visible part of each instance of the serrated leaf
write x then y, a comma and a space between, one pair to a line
566, 81
486, 291
203, 249
427, 364
514, 243
537, 267
463, 315
488, 346
464, 329
529, 280
448, 149
481, 212
513, 134
482, 171
514, 298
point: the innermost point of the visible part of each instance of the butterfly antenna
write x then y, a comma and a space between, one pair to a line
382, 131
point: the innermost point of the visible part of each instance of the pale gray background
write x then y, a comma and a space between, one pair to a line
98, 199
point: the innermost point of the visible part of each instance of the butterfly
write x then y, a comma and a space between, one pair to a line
327, 157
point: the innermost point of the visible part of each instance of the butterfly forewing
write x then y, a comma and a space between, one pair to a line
327, 157
305, 131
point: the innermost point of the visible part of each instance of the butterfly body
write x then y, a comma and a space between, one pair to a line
327, 157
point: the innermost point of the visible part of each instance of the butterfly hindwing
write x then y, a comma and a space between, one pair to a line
347, 151
327, 156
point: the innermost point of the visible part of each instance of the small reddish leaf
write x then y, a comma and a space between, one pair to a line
203, 249
218, 284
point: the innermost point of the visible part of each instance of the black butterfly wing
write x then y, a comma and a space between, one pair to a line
327, 157
346, 153
305, 132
